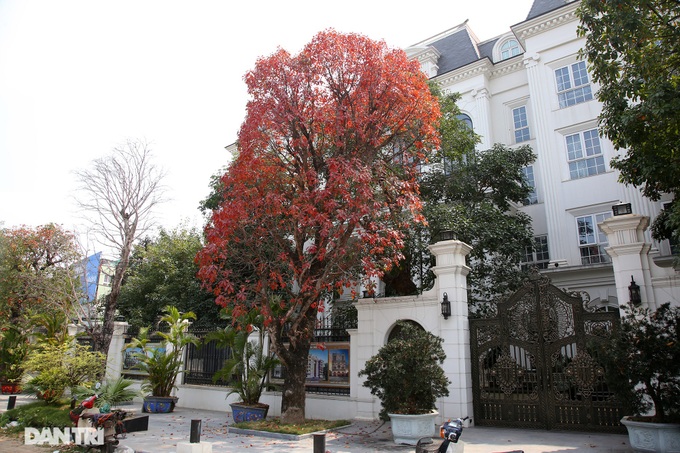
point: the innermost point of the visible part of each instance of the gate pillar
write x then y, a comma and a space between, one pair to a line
451, 272
629, 252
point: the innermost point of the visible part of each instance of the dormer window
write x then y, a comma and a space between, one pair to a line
510, 48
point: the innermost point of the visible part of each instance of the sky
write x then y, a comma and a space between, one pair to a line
78, 78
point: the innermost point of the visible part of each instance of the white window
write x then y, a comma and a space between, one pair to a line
591, 239
538, 254
521, 124
510, 48
531, 181
584, 154
573, 86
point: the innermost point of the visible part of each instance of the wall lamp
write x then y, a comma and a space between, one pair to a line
446, 307
634, 292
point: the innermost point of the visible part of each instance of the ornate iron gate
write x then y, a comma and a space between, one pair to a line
531, 366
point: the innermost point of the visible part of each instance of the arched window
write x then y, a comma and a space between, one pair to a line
510, 48
466, 119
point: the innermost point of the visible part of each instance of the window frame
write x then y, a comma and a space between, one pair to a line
530, 176
594, 249
578, 91
512, 50
533, 252
585, 156
522, 127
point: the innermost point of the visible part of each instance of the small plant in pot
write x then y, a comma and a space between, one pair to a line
162, 362
407, 376
643, 369
247, 370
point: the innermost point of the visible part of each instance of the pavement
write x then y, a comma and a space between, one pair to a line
167, 430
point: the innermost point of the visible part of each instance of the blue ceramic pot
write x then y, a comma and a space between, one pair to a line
159, 404
244, 413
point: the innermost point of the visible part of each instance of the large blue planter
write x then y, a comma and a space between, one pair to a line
244, 413
159, 404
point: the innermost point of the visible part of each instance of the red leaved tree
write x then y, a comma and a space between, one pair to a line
322, 187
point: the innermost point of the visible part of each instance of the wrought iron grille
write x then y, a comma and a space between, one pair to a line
531, 365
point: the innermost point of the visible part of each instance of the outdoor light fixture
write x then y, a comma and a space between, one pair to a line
446, 307
446, 235
621, 209
634, 292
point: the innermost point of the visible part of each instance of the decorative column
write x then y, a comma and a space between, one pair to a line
629, 253
451, 272
482, 124
549, 159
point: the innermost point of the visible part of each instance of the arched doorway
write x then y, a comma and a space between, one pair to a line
395, 332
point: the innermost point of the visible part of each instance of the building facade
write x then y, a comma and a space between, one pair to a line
529, 86
96, 274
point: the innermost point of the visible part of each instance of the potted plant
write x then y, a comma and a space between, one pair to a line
407, 376
247, 369
162, 362
643, 369
13, 351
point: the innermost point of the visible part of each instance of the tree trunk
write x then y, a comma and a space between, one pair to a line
294, 356
294, 392
102, 334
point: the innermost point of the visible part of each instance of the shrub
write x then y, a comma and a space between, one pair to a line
406, 373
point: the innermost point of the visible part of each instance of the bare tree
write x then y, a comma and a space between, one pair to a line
117, 196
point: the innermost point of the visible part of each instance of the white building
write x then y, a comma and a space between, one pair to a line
528, 86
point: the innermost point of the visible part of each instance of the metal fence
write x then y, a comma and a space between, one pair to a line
203, 361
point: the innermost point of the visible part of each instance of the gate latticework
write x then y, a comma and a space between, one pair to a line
531, 366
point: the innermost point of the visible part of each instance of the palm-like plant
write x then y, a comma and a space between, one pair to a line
163, 363
110, 393
247, 368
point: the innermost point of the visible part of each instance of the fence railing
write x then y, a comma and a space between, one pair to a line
202, 362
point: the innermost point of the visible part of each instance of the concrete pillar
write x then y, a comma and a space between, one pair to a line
629, 253
114, 363
451, 272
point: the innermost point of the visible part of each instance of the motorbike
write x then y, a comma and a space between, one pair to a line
451, 432
110, 422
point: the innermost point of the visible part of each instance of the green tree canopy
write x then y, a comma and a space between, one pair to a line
633, 51
162, 272
475, 195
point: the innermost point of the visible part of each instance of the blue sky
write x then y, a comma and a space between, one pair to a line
79, 77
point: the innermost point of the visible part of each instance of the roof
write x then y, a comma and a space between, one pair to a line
459, 46
543, 6
457, 50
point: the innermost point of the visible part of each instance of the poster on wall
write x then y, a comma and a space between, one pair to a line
338, 366
130, 361
326, 364
317, 364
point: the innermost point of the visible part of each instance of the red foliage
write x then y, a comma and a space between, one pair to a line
325, 177
34, 261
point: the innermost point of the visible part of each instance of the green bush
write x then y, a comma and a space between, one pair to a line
406, 373
51, 368
38, 414
643, 362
